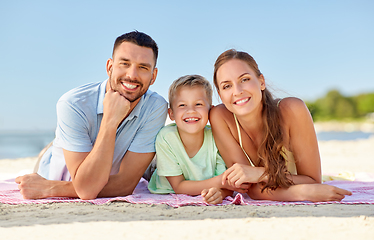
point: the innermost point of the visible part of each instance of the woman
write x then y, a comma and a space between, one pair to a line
268, 143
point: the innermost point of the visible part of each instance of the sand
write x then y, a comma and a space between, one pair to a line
139, 221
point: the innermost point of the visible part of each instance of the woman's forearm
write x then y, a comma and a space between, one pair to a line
303, 179
293, 193
299, 192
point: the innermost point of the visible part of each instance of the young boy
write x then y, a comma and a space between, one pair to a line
187, 157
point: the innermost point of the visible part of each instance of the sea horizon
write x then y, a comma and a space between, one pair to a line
20, 144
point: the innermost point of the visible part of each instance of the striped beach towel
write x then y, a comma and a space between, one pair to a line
362, 189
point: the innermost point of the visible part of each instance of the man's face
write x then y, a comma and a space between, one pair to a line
131, 71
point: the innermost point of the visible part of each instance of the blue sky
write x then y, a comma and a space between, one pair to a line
303, 48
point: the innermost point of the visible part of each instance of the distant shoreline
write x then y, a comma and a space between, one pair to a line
19, 144
339, 126
320, 126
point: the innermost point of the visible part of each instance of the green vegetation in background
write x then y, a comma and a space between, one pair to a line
335, 106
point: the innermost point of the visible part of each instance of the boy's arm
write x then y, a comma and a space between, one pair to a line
209, 189
182, 186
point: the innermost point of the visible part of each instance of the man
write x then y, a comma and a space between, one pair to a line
105, 131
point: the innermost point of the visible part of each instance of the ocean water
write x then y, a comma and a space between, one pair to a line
23, 144
343, 136
29, 144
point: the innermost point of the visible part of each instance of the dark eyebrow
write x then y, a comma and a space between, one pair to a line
146, 65
141, 64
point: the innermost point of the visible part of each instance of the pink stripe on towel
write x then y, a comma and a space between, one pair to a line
363, 193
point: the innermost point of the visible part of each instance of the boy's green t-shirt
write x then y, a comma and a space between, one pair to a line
173, 160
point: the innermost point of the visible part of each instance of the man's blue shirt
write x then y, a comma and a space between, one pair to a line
79, 115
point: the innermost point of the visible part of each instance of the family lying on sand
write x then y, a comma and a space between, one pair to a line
108, 133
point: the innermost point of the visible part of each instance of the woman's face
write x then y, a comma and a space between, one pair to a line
239, 87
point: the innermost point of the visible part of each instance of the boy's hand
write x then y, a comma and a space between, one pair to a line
212, 195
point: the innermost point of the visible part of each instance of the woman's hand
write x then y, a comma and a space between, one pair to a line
322, 193
212, 195
239, 174
243, 188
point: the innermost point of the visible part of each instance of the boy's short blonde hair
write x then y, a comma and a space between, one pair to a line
190, 81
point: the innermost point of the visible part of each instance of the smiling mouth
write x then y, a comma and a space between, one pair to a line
241, 101
129, 86
192, 119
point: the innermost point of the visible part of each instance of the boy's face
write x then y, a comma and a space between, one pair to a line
190, 109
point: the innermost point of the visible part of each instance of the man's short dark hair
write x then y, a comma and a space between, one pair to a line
139, 38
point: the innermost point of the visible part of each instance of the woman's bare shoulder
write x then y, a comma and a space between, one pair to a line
292, 106
219, 111
294, 112
291, 102
219, 115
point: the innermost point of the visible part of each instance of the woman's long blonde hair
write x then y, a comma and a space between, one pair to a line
270, 151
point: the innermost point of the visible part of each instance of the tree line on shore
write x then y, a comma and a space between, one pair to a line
335, 106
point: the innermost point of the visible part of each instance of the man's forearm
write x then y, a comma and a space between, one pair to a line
118, 186
62, 189
115, 187
93, 173
132, 168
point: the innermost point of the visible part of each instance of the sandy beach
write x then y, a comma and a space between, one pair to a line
140, 221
